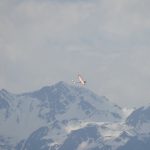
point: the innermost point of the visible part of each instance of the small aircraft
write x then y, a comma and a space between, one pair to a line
80, 80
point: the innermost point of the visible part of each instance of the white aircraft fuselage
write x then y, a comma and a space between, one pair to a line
81, 80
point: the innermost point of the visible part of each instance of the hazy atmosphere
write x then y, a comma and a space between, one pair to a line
108, 41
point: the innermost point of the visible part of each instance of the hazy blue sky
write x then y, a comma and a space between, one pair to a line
108, 41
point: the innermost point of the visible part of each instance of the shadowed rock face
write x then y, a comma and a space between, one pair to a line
4, 103
136, 144
77, 137
4, 99
36, 141
141, 115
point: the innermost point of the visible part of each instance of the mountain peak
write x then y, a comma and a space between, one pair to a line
75, 102
56, 87
61, 83
3, 91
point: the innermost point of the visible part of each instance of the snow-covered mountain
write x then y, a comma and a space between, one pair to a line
59, 106
139, 122
66, 117
139, 116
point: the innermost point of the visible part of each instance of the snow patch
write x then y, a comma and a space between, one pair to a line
127, 112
